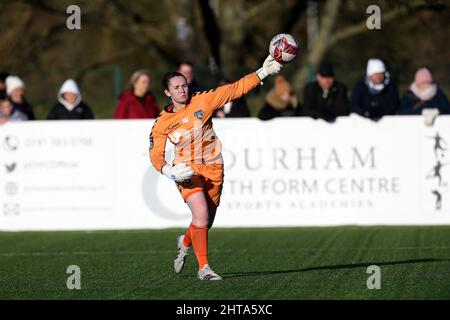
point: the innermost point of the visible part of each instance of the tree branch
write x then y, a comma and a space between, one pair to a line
314, 56
256, 10
211, 30
293, 19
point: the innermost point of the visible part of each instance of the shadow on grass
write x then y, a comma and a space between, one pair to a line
333, 267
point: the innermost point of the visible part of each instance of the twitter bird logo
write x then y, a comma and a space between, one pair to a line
10, 167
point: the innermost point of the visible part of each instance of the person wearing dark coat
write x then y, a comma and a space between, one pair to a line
280, 101
422, 94
15, 89
375, 96
25, 107
325, 98
69, 105
138, 102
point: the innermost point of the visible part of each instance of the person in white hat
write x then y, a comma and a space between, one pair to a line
69, 105
375, 95
15, 88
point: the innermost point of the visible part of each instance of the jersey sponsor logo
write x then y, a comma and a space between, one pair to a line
199, 114
185, 120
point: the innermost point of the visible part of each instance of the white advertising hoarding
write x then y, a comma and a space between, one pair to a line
90, 175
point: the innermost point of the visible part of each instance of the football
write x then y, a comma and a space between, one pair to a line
283, 48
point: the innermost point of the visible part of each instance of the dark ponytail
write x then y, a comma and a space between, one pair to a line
168, 76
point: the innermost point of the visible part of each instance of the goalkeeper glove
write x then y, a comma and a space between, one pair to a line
179, 172
269, 67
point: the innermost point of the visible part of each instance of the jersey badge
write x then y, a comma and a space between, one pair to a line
199, 114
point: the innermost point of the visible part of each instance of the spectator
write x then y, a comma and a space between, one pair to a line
69, 105
7, 111
234, 109
3, 76
280, 101
375, 96
186, 68
138, 102
325, 98
15, 88
423, 94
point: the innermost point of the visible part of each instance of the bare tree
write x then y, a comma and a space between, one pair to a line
329, 37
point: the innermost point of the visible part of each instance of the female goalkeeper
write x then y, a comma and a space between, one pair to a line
197, 166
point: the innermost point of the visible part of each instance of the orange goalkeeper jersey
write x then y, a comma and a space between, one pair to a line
190, 129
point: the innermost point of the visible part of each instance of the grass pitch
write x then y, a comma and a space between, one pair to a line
275, 263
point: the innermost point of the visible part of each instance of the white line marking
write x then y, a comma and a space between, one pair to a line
151, 252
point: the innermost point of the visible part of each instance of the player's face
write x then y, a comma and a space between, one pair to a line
178, 90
